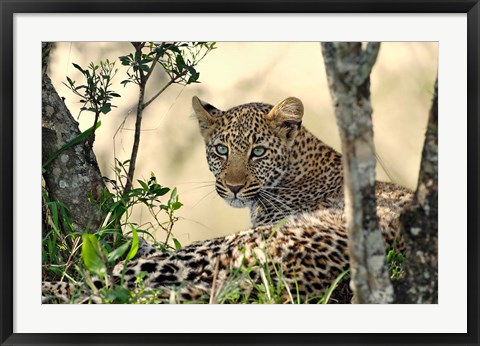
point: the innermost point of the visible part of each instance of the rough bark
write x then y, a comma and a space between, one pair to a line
47, 47
73, 177
420, 223
348, 68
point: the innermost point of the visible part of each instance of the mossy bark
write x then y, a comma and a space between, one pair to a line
348, 68
73, 177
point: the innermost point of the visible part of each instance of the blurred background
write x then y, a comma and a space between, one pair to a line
241, 72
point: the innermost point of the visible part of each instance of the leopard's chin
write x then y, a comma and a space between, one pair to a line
236, 202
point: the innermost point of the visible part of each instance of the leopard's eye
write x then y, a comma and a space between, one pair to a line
221, 149
258, 151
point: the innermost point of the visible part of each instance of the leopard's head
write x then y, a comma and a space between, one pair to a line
248, 146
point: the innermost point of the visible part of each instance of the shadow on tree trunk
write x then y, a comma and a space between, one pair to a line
420, 224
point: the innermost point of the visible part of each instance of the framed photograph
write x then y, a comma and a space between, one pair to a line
239, 173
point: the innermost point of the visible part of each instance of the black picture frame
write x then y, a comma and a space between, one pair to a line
9, 8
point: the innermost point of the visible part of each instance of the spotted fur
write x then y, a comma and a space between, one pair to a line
297, 173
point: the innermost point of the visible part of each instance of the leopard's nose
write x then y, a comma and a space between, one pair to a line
235, 188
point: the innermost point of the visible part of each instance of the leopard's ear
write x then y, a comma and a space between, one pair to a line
206, 115
286, 117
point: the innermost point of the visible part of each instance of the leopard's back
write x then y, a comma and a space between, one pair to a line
304, 255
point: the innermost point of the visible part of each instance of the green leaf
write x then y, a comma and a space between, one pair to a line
180, 62
54, 211
162, 191
173, 194
193, 78
56, 270
78, 68
107, 107
172, 47
125, 60
134, 249
159, 50
145, 68
138, 55
176, 205
117, 204
135, 192
144, 185
118, 252
120, 294
91, 255
70, 81
177, 244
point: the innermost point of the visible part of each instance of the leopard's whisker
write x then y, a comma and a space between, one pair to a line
196, 182
203, 198
278, 200
198, 187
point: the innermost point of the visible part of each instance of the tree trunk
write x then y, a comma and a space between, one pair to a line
348, 68
73, 177
420, 223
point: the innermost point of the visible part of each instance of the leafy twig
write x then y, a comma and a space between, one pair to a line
173, 58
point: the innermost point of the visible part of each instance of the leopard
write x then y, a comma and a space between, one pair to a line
263, 159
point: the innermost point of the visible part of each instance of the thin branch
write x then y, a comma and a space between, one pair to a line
136, 141
155, 61
138, 124
146, 104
